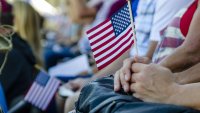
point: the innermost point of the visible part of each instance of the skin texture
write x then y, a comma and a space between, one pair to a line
154, 83
187, 55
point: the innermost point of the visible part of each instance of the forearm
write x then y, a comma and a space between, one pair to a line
112, 68
186, 95
192, 75
188, 53
179, 60
151, 49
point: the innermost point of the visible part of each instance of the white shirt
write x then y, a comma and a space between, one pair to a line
164, 13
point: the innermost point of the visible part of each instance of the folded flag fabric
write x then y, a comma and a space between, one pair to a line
42, 90
111, 38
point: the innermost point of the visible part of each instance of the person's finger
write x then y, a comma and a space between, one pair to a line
134, 77
137, 59
138, 88
136, 95
137, 67
127, 74
144, 60
124, 83
127, 68
117, 84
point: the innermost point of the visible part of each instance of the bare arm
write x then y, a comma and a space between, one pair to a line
188, 53
151, 50
111, 69
191, 75
187, 95
154, 83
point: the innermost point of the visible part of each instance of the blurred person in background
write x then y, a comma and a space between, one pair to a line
155, 83
104, 9
70, 28
6, 13
19, 71
27, 25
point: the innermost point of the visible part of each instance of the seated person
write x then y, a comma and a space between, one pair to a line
186, 47
19, 71
78, 86
153, 91
176, 62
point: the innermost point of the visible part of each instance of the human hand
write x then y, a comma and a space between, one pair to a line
76, 84
123, 76
153, 83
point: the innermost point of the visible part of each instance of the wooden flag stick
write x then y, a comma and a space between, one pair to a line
133, 27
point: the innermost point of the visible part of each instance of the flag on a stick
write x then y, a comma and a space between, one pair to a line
42, 90
111, 38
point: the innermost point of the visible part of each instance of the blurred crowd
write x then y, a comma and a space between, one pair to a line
167, 34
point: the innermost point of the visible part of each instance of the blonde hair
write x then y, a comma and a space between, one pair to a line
27, 24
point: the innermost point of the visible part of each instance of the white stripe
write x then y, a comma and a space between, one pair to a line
112, 48
101, 34
49, 87
115, 54
28, 95
41, 93
39, 88
110, 43
107, 38
52, 94
99, 29
46, 90
33, 92
102, 41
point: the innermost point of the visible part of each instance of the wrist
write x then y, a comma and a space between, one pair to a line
175, 93
178, 78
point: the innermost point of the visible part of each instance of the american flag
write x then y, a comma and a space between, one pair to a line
111, 38
42, 91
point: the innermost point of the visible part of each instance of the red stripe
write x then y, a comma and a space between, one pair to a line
100, 46
101, 38
89, 31
114, 51
109, 47
116, 57
100, 32
103, 44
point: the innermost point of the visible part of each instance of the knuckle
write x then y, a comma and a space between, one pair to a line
149, 67
138, 88
127, 60
116, 74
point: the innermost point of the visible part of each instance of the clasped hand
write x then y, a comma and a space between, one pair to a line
148, 82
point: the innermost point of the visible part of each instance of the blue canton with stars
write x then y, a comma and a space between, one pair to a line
42, 78
121, 20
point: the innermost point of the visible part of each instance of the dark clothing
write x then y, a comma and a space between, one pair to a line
18, 73
99, 97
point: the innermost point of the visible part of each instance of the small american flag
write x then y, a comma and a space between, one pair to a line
111, 38
42, 91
